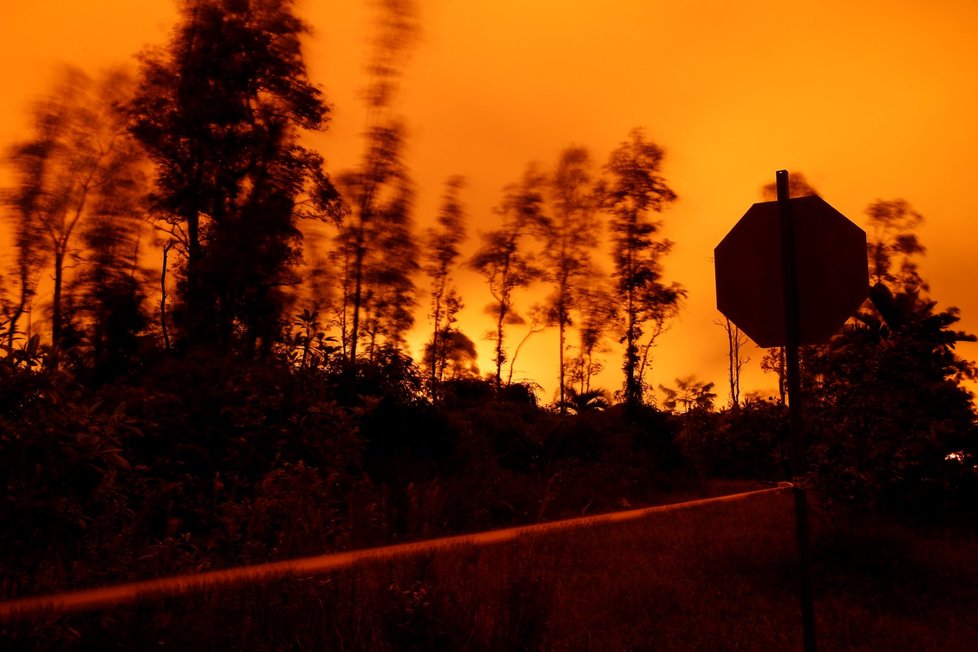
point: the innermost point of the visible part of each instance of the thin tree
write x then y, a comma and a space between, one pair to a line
108, 287
736, 359
77, 164
381, 178
636, 192
597, 314
441, 254
663, 304
375, 236
892, 225
774, 362
537, 324
30, 254
502, 259
164, 331
389, 270
569, 234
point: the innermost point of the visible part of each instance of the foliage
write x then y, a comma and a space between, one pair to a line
592, 399
271, 430
891, 413
636, 191
894, 426
457, 358
569, 237
798, 186
892, 235
79, 172
736, 358
441, 253
749, 441
689, 394
713, 577
69, 488
219, 113
374, 235
375, 240
597, 317
502, 259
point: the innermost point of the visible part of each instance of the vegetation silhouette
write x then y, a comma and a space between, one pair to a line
219, 112
568, 235
78, 174
502, 259
442, 253
636, 191
265, 405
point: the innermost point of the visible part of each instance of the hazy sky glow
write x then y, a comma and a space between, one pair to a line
870, 100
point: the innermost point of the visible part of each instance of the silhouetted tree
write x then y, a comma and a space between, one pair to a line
689, 394
441, 254
537, 323
389, 299
774, 362
635, 192
78, 171
379, 191
457, 358
164, 293
736, 359
591, 400
379, 253
502, 260
597, 311
395, 28
798, 186
891, 226
220, 112
309, 330
891, 407
109, 284
890, 404
569, 234
29, 253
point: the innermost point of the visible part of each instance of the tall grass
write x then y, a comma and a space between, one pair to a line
714, 577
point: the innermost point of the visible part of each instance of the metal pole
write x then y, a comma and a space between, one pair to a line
795, 405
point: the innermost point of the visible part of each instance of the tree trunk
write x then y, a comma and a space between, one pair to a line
435, 354
632, 394
499, 344
163, 329
25, 293
59, 260
731, 364
194, 300
357, 299
561, 328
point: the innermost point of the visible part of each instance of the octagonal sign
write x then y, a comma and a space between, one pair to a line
830, 263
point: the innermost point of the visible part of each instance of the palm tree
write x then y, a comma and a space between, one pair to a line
593, 400
690, 393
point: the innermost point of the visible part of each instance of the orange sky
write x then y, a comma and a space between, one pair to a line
872, 99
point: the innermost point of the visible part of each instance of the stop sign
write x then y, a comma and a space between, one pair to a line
830, 262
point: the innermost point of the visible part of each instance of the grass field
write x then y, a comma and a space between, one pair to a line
714, 577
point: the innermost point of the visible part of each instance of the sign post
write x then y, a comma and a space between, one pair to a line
789, 280
790, 273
